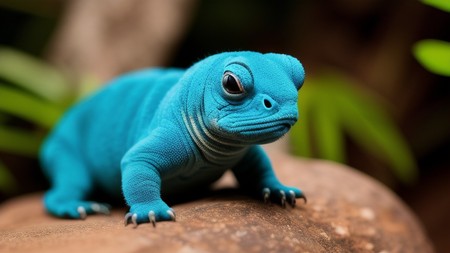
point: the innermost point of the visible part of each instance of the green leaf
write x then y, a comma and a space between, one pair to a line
434, 55
368, 123
19, 141
7, 182
440, 4
28, 107
33, 75
333, 107
327, 129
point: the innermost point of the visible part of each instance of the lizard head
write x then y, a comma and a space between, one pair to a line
251, 97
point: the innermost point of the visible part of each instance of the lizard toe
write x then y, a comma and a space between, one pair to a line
152, 218
266, 195
130, 217
283, 195
283, 198
150, 212
292, 198
172, 215
101, 208
82, 212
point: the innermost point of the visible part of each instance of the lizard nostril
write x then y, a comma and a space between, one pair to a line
267, 104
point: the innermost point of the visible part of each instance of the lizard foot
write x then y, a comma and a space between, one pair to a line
93, 208
283, 194
77, 209
158, 211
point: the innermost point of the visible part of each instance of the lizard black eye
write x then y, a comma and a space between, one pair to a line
231, 84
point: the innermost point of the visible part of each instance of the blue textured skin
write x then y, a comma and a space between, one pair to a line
169, 131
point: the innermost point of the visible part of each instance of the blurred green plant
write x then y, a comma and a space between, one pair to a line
440, 4
431, 131
33, 95
434, 55
331, 107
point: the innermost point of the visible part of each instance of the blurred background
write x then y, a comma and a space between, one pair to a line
377, 94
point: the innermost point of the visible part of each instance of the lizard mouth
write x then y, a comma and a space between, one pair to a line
262, 130
265, 128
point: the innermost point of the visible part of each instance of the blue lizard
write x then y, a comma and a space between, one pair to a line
157, 132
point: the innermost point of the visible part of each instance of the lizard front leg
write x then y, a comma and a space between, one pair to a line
142, 169
141, 185
255, 174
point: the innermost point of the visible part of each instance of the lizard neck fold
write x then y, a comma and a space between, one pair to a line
215, 148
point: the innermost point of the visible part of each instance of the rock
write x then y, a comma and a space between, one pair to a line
346, 212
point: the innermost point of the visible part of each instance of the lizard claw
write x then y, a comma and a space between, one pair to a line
133, 219
283, 198
152, 218
266, 192
101, 208
292, 197
282, 195
302, 196
82, 211
172, 215
150, 212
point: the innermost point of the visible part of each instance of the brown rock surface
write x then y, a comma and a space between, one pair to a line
346, 212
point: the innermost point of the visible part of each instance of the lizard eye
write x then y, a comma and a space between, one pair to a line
231, 84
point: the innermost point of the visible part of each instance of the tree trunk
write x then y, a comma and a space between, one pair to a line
106, 38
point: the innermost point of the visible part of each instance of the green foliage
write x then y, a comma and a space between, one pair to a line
434, 55
33, 93
33, 75
37, 94
331, 107
440, 4
28, 107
